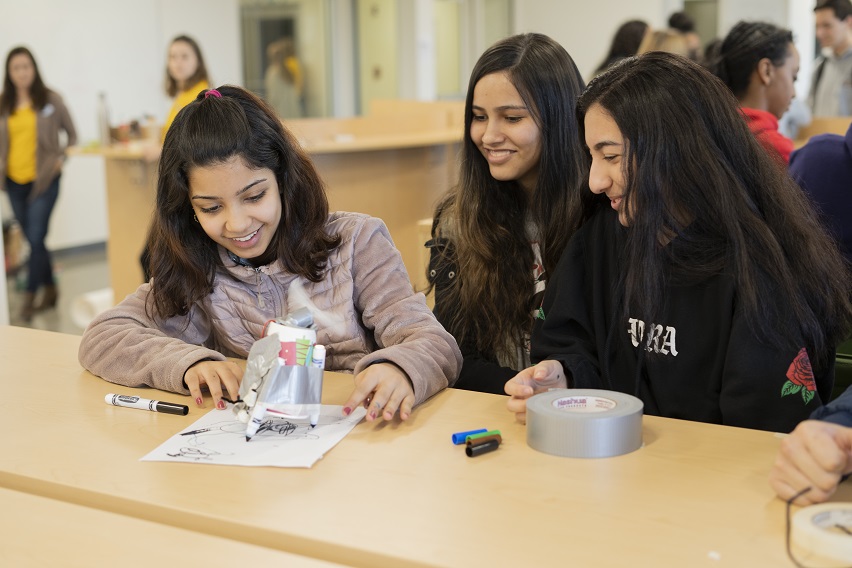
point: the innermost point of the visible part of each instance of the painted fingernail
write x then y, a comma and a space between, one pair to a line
372, 415
198, 401
347, 411
221, 404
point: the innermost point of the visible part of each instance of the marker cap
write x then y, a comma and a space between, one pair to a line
460, 437
483, 435
169, 408
477, 450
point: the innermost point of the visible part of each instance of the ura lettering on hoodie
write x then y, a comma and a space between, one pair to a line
659, 339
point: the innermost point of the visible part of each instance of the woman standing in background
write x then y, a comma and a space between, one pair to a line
31, 159
283, 79
625, 43
186, 76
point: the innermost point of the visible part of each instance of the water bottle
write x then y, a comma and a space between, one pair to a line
103, 120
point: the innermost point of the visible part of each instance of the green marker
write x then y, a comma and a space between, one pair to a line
474, 437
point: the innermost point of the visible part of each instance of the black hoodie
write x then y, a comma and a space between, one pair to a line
700, 361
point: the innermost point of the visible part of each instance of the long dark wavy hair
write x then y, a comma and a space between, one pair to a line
487, 218
9, 96
172, 87
211, 130
697, 178
741, 50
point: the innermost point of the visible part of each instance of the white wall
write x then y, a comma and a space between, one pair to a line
118, 47
585, 29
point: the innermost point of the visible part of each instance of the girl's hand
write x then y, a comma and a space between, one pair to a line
816, 455
214, 374
545, 376
383, 388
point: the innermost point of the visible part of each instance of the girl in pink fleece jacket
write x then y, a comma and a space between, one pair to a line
241, 235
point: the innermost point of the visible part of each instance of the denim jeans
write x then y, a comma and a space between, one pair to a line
34, 217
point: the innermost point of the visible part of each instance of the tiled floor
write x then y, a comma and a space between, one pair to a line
78, 271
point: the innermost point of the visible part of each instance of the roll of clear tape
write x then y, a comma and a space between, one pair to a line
584, 423
819, 535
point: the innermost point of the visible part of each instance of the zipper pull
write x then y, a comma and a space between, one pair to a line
260, 302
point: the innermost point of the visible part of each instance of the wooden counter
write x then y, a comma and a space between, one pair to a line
398, 494
395, 166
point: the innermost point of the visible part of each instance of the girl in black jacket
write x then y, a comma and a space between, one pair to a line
703, 283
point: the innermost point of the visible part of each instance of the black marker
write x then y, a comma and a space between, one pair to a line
191, 432
146, 404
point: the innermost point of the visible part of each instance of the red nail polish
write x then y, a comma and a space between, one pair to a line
347, 411
220, 405
198, 401
372, 414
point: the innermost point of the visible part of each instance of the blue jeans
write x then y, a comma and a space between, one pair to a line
34, 217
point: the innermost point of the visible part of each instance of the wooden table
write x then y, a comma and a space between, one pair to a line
398, 494
37, 531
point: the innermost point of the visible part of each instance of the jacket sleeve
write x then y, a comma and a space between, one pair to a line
766, 386
124, 346
838, 411
479, 371
405, 331
567, 332
65, 122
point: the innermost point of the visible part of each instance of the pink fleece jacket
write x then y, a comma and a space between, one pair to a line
371, 315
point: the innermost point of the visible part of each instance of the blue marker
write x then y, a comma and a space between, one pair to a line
460, 437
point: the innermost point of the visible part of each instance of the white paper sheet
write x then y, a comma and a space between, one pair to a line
219, 438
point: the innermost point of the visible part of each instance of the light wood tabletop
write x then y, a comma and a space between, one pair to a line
397, 494
37, 531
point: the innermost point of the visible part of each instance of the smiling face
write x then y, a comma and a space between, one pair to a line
607, 147
781, 88
182, 62
237, 206
21, 71
504, 131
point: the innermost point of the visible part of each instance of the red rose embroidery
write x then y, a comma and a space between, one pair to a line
800, 377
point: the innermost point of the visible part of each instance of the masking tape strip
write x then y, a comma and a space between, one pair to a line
584, 423
815, 531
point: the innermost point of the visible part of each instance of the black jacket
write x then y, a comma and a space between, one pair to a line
701, 360
480, 371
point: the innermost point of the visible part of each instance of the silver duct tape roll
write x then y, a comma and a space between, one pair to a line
584, 423
817, 537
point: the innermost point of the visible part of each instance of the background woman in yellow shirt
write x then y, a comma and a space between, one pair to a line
31, 158
186, 76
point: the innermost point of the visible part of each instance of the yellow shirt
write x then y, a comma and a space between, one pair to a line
292, 65
182, 99
21, 161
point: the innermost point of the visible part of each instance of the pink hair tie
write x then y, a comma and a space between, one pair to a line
213, 93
